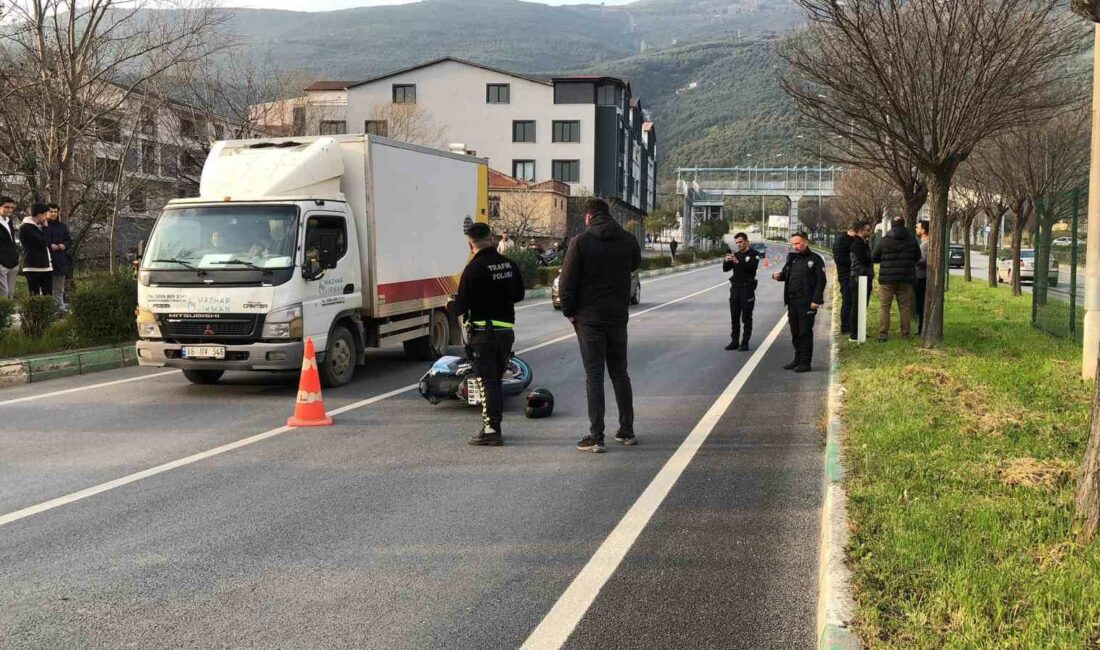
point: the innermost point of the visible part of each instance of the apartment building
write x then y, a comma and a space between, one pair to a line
588, 132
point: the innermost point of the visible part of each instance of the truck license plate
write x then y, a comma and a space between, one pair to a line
203, 352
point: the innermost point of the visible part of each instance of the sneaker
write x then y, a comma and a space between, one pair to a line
792, 365
731, 346
487, 438
591, 444
803, 368
744, 347
627, 439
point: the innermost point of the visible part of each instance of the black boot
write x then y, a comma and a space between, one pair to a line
732, 345
792, 365
488, 437
744, 346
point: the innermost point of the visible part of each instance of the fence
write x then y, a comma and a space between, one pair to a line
1057, 263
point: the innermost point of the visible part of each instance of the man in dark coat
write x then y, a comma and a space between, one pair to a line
595, 297
804, 294
37, 266
897, 255
9, 247
60, 243
842, 257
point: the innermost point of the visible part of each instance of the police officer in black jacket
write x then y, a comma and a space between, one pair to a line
842, 257
743, 263
490, 287
804, 294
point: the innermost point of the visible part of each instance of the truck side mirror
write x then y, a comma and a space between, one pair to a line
141, 249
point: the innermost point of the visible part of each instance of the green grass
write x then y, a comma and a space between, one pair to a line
962, 467
59, 338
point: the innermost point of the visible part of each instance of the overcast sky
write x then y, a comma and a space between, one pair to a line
329, 5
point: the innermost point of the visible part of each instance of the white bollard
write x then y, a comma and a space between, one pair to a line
861, 310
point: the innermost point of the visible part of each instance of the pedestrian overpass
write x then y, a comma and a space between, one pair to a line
705, 189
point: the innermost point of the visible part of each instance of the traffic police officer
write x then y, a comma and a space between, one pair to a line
804, 294
743, 263
490, 287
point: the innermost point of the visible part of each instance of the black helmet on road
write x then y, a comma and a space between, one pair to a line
540, 403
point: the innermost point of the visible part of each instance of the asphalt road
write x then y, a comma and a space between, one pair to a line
386, 531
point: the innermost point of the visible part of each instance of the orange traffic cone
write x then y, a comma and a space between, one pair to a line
767, 262
309, 411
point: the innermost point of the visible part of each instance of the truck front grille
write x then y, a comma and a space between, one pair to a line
236, 326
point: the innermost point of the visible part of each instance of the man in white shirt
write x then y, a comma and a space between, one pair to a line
9, 248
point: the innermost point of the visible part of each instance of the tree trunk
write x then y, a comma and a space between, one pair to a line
1023, 211
967, 227
913, 205
1087, 515
994, 244
939, 187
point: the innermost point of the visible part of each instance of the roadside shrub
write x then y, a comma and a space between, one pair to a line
685, 257
546, 274
103, 308
528, 264
36, 312
7, 310
661, 262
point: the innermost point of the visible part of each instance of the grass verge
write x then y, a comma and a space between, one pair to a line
962, 464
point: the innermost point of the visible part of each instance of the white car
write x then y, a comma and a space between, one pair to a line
1063, 241
1027, 268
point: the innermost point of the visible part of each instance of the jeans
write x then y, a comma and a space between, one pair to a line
606, 346
40, 283
489, 352
7, 281
802, 319
742, 302
59, 290
904, 295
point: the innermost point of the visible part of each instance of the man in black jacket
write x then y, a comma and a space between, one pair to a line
595, 296
490, 287
9, 248
897, 255
842, 257
862, 266
743, 263
804, 294
60, 243
37, 265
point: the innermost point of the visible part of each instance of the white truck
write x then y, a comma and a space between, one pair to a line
356, 241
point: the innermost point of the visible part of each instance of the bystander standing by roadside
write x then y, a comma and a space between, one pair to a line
60, 244
9, 248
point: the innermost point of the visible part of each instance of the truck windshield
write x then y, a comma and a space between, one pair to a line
224, 238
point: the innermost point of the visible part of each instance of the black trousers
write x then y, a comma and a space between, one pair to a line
920, 288
801, 319
40, 284
606, 346
489, 351
742, 302
847, 304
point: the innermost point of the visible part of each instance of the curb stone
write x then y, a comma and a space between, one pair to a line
836, 606
66, 364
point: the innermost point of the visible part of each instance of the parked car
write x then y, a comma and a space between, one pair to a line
759, 247
956, 257
1027, 268
1063, 241
635, 290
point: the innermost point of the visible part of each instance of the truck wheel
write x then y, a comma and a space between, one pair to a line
433, 346
339, 365
203, 377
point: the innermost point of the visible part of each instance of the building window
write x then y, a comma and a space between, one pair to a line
333, 127
523, 170
404, 94
219, 132
523, 131
567, 171
567, 131
187, 128
498, 94
494, 208
149, 123
109, 130
299, 120
149, 158
607, 95
137, 201
377, 127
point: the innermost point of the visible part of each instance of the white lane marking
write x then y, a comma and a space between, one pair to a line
79, 389
670, 276
160, 469
559, 623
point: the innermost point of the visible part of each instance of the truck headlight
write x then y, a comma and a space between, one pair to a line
147, 325
285, 323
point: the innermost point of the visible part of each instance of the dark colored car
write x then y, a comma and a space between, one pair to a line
759, 247
956, 259
635, 290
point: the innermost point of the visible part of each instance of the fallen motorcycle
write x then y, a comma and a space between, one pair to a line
449, 378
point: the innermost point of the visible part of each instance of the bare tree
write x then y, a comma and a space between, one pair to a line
965, 207
410, 123
523, 214
931, 80
863, 195
69, 66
